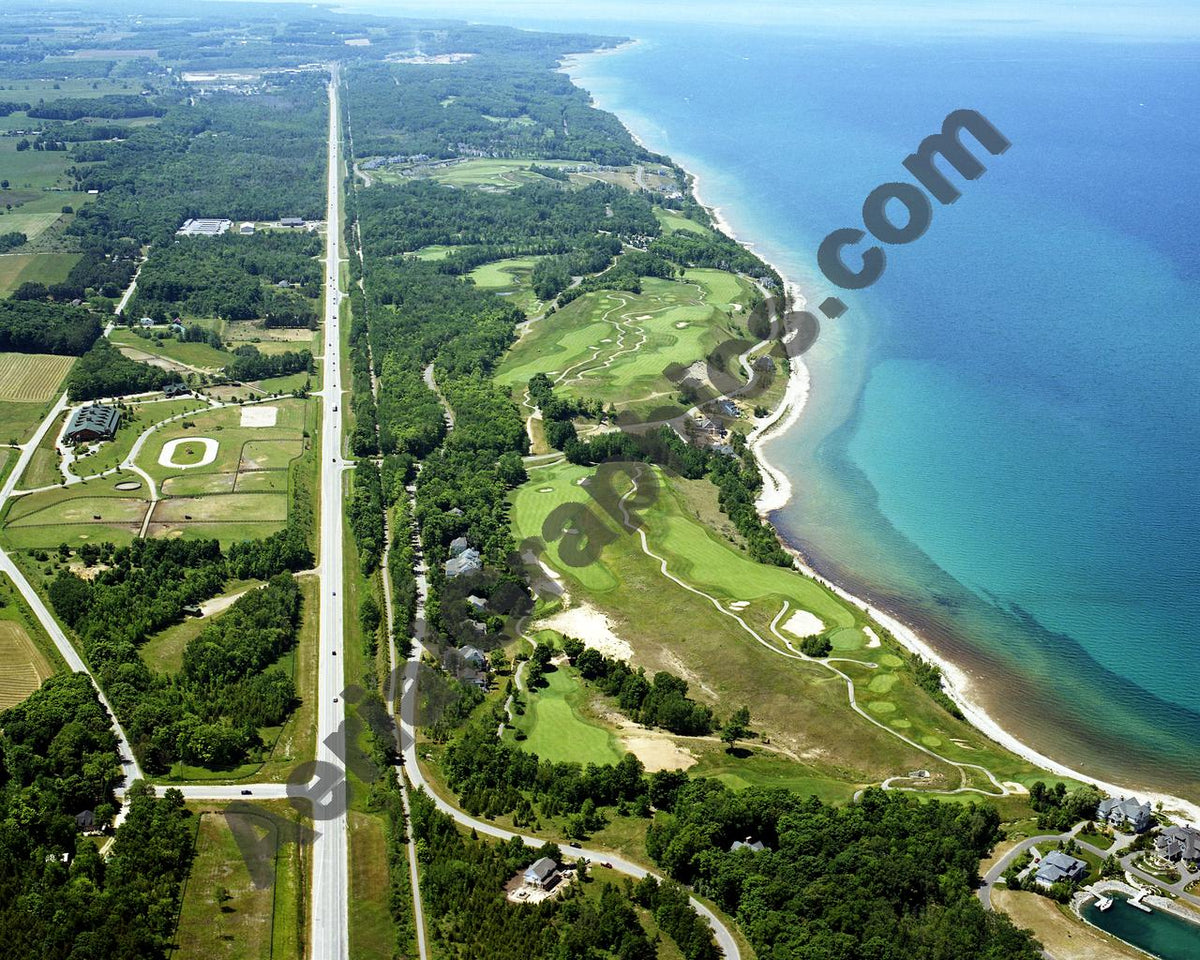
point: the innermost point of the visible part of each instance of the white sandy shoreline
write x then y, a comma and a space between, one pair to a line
777, 492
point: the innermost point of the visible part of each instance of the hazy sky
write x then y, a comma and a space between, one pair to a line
1171, 20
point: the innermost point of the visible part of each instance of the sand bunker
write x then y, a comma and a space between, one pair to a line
644, 316
586, 623
167, 457
545, 489
739, 605
259, 416
658, 753
128, 485
872, 638
803, 624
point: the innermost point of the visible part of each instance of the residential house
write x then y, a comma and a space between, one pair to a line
542, 873
1059, 867
292, 222
96, 422
468, 561
146, 322
246, 229
474, 657
477, 604
177, 389
1178, 843
754, 846
1126, 814
458, 545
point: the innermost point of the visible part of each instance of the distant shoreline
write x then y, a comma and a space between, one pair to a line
777, 492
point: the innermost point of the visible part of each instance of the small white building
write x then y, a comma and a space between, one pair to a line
246, 229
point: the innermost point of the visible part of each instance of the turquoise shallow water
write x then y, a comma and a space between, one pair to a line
1002, 436
1160, 934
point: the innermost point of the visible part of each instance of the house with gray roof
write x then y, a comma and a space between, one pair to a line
466, 562
1178, 843
97, 422
1126, 813
542, 873
473, 656
458, 545
754, 846
1059, 867
477, 604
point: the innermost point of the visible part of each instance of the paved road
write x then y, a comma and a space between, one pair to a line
330, 882
129, 764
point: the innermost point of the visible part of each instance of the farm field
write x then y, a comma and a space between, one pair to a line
555, 728
797, 704
265, 913
28, 382
509, 279
198, 355
27, 656
19, 268
615, 347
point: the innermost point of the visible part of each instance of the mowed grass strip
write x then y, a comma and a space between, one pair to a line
226, 913
556, 729
22, 666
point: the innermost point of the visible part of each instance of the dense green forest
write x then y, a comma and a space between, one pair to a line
106, 372
27, 327
233, 277
58, 898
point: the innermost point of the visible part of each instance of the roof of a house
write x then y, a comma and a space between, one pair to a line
466, 562
85, 818
458, 545
1057, 866
1179, 841
1127, 807
541, 869
472, 653
97, 417
756, 845
478, 603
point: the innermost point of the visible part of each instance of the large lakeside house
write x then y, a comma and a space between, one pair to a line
1059, 867
1178, 843
1126, 814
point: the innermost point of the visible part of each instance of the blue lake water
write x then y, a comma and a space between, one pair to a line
1001, 441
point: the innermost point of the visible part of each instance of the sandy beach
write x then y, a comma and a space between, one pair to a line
777, 492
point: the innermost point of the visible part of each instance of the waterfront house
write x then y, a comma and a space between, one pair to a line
1126, 814
1178, 843
1059, 867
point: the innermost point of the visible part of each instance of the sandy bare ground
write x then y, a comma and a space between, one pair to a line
658, 752
803, 624
259, 416
586, 623
167, 457
210, 608
1064, 939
